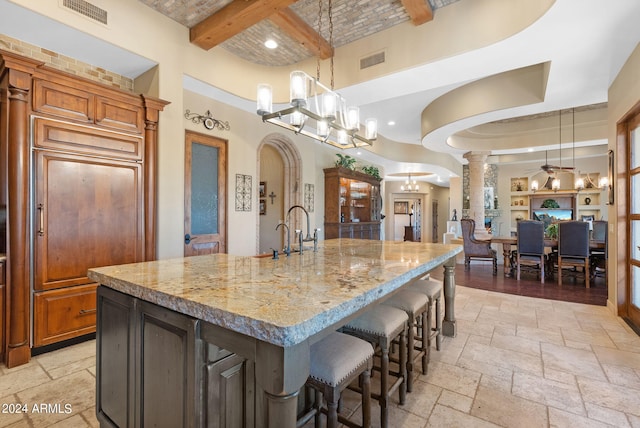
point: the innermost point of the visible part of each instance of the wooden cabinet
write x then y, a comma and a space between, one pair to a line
79, 167
156, 367
2, 308
352, 203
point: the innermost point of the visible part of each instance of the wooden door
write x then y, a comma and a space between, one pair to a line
633, 215
88, 212
205, 195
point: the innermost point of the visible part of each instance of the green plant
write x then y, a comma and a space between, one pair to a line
552, 231
372, 170
550, 203
346, 161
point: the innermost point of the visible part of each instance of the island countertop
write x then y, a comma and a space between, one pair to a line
283, 301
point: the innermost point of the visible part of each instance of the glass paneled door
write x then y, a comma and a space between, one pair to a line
634, 221
205, 195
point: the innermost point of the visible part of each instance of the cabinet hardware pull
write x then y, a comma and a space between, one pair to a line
86, 311
41, 225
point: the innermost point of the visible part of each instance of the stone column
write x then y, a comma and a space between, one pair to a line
476, 190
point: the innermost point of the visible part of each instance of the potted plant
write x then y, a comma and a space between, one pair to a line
550, 203
372, 170
346, 161
552, 231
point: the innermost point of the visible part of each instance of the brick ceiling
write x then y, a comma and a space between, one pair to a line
352, 20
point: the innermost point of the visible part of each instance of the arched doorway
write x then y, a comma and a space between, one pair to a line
283, 164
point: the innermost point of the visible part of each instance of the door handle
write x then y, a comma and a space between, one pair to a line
188, 238
41, 216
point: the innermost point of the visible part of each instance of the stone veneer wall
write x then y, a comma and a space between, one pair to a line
67, 64
490, 180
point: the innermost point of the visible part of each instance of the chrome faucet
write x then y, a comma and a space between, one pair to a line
308, 237
287, 249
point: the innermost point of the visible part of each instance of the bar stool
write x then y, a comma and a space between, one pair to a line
415, 304
380, 326
336, 361
433, 291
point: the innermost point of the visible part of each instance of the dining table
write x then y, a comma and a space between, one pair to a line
510, 241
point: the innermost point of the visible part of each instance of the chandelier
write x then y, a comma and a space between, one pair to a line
410, 186
315, 110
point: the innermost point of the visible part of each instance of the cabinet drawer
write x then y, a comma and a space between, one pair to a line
53, 135
63, 101
119, 115
63, 314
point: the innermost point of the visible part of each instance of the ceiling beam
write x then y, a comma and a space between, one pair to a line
420, 11
298, 29
232, 19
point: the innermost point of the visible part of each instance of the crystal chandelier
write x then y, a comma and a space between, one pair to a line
410, 185
317, 111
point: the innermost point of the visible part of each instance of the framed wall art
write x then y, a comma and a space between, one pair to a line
243, 192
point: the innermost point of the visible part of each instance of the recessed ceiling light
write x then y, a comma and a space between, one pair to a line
391, 123
271, 44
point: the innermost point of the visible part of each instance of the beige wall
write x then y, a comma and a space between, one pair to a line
624, 93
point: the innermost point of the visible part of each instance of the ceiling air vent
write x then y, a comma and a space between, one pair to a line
87, 9
371, 60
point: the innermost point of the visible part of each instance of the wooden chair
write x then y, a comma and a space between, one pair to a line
474, 248
573, 247
530, 247
598, 257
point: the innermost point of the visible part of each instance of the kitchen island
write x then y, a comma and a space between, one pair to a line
223, 340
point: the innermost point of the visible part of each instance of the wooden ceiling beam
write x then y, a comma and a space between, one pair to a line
298, 29
420, 11
232, 19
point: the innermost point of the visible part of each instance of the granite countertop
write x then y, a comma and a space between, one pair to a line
282, 301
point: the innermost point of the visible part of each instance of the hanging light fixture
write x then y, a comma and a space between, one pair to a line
317, 111
410, 185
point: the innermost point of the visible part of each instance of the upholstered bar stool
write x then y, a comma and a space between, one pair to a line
433, 291
380, 326
415, 304
336, 361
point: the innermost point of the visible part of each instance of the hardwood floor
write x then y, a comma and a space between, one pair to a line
572, 290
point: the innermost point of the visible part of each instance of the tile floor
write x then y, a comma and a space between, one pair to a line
516, 362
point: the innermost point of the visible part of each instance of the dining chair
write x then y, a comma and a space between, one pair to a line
573, 247
598, 256
475, 248
530, 247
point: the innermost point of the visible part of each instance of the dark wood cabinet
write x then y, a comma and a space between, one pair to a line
352, 203
202, 384
81, 189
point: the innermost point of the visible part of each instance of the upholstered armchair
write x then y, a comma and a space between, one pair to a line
476, 249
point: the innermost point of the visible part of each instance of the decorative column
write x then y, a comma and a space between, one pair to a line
476, 191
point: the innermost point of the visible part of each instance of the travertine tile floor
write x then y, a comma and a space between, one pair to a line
516, 362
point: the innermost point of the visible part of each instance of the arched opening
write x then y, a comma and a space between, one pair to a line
280, 162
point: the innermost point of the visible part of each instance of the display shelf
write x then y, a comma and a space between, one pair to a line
519, 184
355, 212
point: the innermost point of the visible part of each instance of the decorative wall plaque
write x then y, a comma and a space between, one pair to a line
309, 197
243, 192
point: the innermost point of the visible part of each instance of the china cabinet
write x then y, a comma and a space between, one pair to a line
352, 203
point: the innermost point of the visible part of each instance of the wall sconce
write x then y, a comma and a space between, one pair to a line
534, 186
207, 120
555, 185
603, 183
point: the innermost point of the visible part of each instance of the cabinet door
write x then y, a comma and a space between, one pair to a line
168, 387
230, 393
115, 359
88, 213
